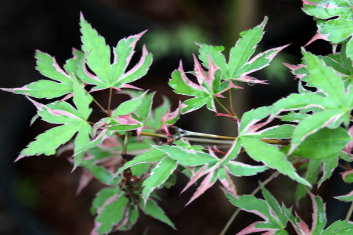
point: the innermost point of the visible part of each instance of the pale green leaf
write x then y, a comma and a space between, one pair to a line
242, 169
47, 142
102, 196
245, 47
253, 116
186, 157
43, 89
271, 156
278, 132
150, 156
159, 174
339, 227
128, 106
152, 209
48, 67
325, 78
111, 214
96, 50
311, 125
323, 144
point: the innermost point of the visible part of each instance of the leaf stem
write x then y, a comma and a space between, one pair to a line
231, 103
110, 100
349, 213
256, 190
100, 106
222, 106
125, 143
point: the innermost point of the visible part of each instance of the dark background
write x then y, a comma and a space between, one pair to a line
37, 195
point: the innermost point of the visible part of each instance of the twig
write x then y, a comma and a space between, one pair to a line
100, 106
110, 100
349, 213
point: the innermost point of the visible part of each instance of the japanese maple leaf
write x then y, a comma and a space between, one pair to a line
71, 121
319, 221
275, 217
208, 86
97, 56
60, 82
241, 61
335, 21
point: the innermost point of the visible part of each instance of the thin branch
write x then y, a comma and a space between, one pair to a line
231, 103
110, 100
349, 213
211, 141
100, 106
223, 107
255, 191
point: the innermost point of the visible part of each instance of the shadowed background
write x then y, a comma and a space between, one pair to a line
37, 195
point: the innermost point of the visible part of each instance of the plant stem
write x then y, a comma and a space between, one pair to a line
231, 103
223, 107
256, 190
192, 133
209, 138
349, 213
110, 100
100, 106
126, 140
211, 141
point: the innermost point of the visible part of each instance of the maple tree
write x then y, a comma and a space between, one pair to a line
311, 128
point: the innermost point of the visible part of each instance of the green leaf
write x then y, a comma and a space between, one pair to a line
98, 58
101, 197
96, 50
245, 47
301, 101
335, 20
159, 174
340, 228
214, 53
187, 157
325, 78
241, 169
81, 141
251, 117
47, 66
133, 215
72, 120
145, 107
311, 125
273, 204
329, 165
129, 106
208, 86
152, 209
250, 203
112, 214
323, 144
43, 89
100, 173
278, 132
319, 215
270, 156
47, 142
150, 156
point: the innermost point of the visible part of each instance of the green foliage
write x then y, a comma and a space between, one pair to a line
137, 149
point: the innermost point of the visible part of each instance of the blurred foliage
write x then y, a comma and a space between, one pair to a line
180, 40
